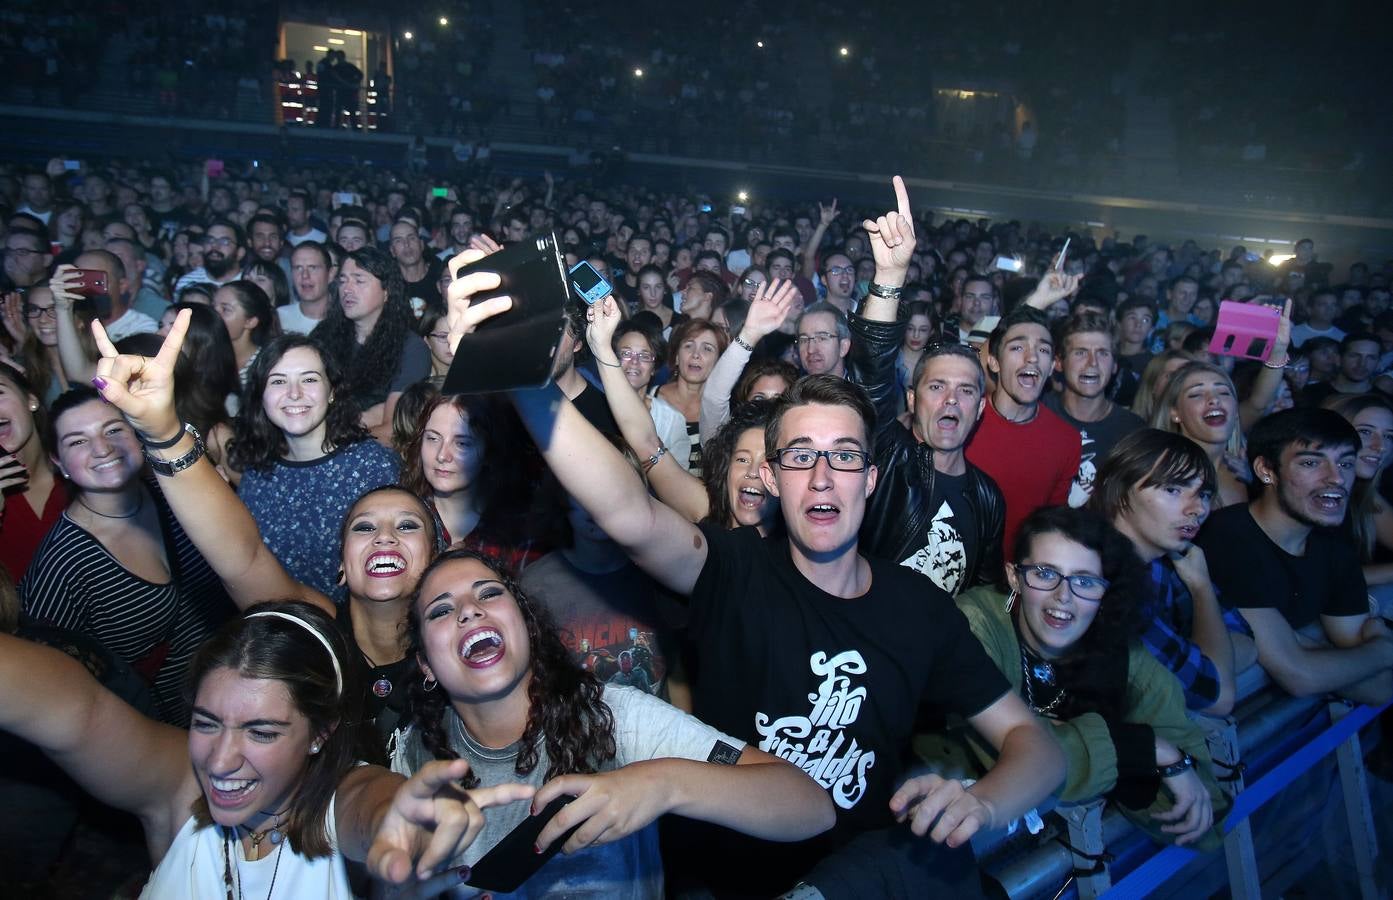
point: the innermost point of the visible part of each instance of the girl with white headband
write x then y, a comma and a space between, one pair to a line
262, 797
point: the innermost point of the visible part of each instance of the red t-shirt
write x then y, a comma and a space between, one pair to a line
1033, 463
21, 531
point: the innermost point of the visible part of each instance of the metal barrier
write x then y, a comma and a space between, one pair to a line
1267, 719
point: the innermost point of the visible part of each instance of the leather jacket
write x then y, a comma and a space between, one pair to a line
899, 515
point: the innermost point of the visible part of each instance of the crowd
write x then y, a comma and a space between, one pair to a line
820, 506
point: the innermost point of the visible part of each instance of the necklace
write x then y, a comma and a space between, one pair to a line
1044, 673
383, 685
276, 838
130, 515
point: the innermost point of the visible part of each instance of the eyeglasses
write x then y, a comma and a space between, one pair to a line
21, 251
1043, 578
841, 270
799, 458
752, 282
219, 242
817, 337
35, 312
642, 356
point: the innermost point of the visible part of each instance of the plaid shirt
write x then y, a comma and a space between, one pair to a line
1170, 618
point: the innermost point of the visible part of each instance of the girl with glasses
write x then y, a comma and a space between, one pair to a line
1065, 633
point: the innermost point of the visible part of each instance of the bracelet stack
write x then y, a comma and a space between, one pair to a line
172, 467
885, 291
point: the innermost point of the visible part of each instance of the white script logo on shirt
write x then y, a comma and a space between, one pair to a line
826, 756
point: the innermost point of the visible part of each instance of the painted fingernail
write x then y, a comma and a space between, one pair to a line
99, 383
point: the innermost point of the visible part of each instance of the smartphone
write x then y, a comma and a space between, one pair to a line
515, 859
737, 210
90, 283
706, 207
345, 198
515, 349
72, 165
439, 192
1008, 264
589, 284
1245, 330
1063, 255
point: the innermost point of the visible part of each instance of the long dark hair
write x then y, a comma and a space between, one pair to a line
255, 303
1091, 667
375, 363
259, 443
271, 647
718, 453
566, 712
206, 370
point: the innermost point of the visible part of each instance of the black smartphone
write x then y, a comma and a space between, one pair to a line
515, 349
515, 859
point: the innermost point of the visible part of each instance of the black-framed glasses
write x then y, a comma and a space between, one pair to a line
1043, 578
798, 458
841, 270
35, 312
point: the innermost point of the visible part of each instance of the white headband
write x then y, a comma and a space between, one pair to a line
333, 657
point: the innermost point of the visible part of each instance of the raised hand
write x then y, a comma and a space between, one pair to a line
826, 214
432, 820
462, 314
1053, 287
142, 387
486, 246
12, 311
768, 309
612, 805
892, 239
601, 321
1282, 341
959, 813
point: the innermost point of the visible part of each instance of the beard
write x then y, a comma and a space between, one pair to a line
217, 264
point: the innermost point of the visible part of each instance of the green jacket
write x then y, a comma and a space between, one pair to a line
1154, 698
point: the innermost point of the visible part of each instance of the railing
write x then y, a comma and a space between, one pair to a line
300, 101
1267, 738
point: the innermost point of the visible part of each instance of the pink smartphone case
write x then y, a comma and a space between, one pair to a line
1245, 330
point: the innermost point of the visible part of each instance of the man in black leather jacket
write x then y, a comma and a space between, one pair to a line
932, 510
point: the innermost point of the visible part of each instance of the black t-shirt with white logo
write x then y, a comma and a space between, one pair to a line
830, 684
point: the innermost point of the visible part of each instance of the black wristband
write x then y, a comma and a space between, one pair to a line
164, 445
1186, 763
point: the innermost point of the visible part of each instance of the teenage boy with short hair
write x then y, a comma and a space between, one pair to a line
1087, 362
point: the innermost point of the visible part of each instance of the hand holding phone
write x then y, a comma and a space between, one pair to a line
1247, 330
13, 475
516, 858
588, 283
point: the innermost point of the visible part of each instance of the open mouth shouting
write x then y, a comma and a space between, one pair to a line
1216, 418
1331, 502
1029, 378
751, 497
481, 648
385, 564
230, 793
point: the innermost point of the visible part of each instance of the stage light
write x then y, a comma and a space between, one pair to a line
743, 196
759, 44
1277, 259
846, 51
444, 21
638, 73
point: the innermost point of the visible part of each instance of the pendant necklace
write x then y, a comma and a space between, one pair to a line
1043, 672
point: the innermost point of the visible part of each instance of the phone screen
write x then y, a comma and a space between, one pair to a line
586, 278
440, 192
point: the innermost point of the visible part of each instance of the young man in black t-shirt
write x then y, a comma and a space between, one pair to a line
805, 647
1299, 585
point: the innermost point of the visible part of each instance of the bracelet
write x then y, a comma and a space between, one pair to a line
610, 364
148, 444
1186, 763
652, 461
885, 291
171, 467
1269, 365
741, 342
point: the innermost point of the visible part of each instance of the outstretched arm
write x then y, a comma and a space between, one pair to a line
826, 214
118, 756
676, 486
772, 299
660, 541
211, 515
78, 368
762, 796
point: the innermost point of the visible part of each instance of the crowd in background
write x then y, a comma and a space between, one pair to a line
321, 320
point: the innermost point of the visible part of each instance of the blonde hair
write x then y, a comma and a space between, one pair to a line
1144, 404
1161, 416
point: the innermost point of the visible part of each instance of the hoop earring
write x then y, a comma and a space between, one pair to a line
1011, 599
429, 685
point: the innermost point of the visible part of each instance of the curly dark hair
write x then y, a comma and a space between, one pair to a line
1092, 667
259, 443
566, 714
206, 370
717, 454
374, 364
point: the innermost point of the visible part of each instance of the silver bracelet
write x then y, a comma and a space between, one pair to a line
741, 341
885, 291
1269, 365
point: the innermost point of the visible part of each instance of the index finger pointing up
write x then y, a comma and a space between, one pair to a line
901, 197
